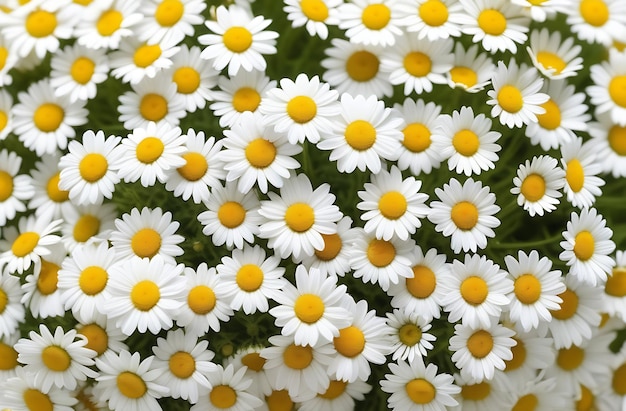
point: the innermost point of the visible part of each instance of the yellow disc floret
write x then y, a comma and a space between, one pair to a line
86, 227
246, 99
533, 187
350, 341
231, 214
417, 64
93, 167
464, 75
594, 12
551, 119
570, 358
584, 245
362, 66
575, 175
36, 400
392, 205
617, 139
420, 391
131, 385
416, 137
309, 308
109, 22
48, 117
195, 166
56, 358
187, 80
360, 135
300, 217
492, 22
376, 16
201, 299
298, 357
464, 215
237, 39
474, 290
527, 288
423, 282
25, 244
149, 150
97, 337
301, 109
6, 185
617, 90
260, 153
145, 295
82, 70
410, 334
550, 60
315, 10
41, 23
249, 277
510, 99
146, 54
569, 306
332, 247
48, 280
93, 279
169, 12
182, 364
480, 344
466, 142
153, 107
433, 12
52, 189
380, 253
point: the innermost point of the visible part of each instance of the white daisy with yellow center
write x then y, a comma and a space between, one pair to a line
541, 393
540, 10
169, 20
105, 28
339, 395
102, 335
481, 396
597, 21
555, 57
12, 311
408, 334
42, 294
77, 70
609, 142
608, 92
15, 189
538, 184
21, 392
250, 357
370, 22
136, 60
8, 59
48, 199
6, 114
314, 15
615, 288
470, 70
9, 366
229, 391
582, 166
431, 19
87, 224
193, 77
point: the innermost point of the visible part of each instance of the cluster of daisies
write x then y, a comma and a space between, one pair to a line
312, 205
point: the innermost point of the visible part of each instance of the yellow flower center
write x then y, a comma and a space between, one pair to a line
4, 119
619, 380
169, 12
533, 187
4, 301
146, 242
594, 12
362, 66
301, 109
48, 117
153, 107
464, 215
249, 277
332, 247
617, 90
575, 175
376, 16
97, 337
416, 137
476, 392
187, 80
86, 227
423, 282
464, 75
279, 400
24, 244
41, 23
201, 299
617, 139
586, 401
195, 167
480, 344
82, 70
492, 22
237, 39
392, 205
309, 308
56, 358
510, 99
360, 135
298, 357
223, 396
420, 391
48, 278
551, 119
299, 217
615, 283
519, 356
231, 214
109, 22
417, 64
146, 54
569, 306
93, 167
466, 142
145, 295
83, 2
260, 153
570, 358
410, 334
93, 279
350, 341
550, 60
36, 400
149, 150
584, 245
253, 361
528, 402
131, 385
53, 191
474, 290
380, 253
334, 390
536, 2
433, 12
182, 364
8, 357
246, 99
6, 185
315, 10
4, 53
527, 288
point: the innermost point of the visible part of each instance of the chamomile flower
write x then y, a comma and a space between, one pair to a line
105, 29
609, 142
229, 391
609, 82
537, 185
128, 383
102, 335
516, 96
185, 363
9, 366
392, 206
355, 69
372, 22
149, 153
255, 154
408, 335
25, 244
194, 79
203, 168
417, 387
555, 57
470, 70
542, 394
22, 393
240, 93
10, 59
314, 15
539, 11
611, 393
431, 19
41, 291
58, 359
535, 289
587, 247
145, 294
250, 357
77, 70
597, 21
12, 311
497, 24
48, 199
467, 141
615, 289
169, 20
301, 109
582, 166
480, 396
136, 60
250, 279
15, 189
147, 234
365, 134
205, 303
54, 118
339, 396
418, 64
6, 114
479, 351
465, 213
475, 291
87, 224
238, 40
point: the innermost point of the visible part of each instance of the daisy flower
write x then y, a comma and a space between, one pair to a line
355, 69
539, 11
203, 168
609, 81
26, 244
54, 118
587, 247
77, 70
145, 294
467, 141
565, 114
581, 165
380, 261
102, 335
418, 64
301, 109
147, 234
58, 359
611, 393
597, 21
392, 206
475, 291
128, 383
48, 199
87, 224
416, 387
86, 171
311, 310
114, 20
480, 396
194, 79
537, 185
479, 351
169, 20
10, 59
470, 70
205, 303
516, 96
21, 393
408, 335
6, 114
41, 291
541, 394
250, 279
497, 24
431, 19
185, 363
151, 100
365, 133
250, 357
555, 57
15, 189
238, 94
465, 213
12, 311
314, 15
136, 60
238, 40
339, 396
9, 366
229, 391
615, 288
149, 153
609, 142
370, 22
535, 289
